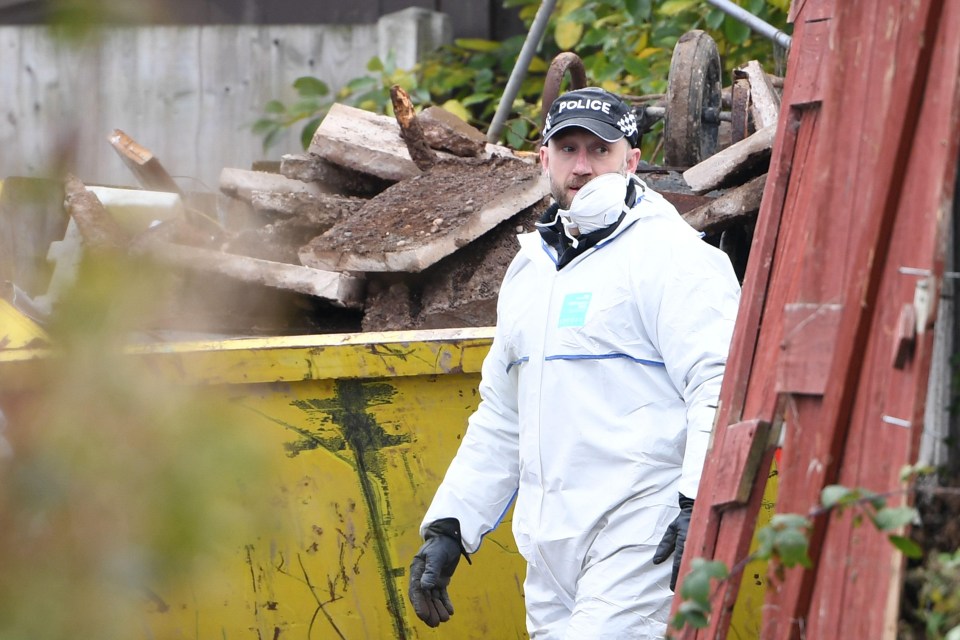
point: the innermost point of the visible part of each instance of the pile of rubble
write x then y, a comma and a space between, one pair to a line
383, 224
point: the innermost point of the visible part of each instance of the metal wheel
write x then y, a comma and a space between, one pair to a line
561, 64
692, 118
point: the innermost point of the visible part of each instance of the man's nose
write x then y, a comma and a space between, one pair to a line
582, 164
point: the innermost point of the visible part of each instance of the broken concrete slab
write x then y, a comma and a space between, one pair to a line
309, 167
459, 291
419, 221
447, 132
241, 183
340, 289
363, 141
371, 144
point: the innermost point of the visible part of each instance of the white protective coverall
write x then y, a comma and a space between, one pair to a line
598, 397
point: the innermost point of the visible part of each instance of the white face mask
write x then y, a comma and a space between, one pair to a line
598, 203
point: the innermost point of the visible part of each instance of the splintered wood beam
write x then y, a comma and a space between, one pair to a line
97, 227
145, 166
410, 129
764, 101
744, 159
739, 205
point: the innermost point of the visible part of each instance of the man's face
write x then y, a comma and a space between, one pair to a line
574, 157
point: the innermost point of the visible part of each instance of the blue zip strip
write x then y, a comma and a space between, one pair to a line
499, 519
516, 362
606, 356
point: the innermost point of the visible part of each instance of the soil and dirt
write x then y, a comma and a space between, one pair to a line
458, 291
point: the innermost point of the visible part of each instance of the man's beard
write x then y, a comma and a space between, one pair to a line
561, 193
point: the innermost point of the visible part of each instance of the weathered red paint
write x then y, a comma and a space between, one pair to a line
852, 220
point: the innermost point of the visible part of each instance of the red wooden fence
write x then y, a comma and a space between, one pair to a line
832, 347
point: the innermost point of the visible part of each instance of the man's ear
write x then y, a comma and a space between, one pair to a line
633, 159
543, 158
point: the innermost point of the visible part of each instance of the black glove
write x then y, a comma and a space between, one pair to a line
674, 538
432, 568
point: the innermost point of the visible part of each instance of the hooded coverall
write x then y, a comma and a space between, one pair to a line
598, 397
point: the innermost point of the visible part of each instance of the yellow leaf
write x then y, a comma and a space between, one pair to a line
477, 44
673, 7
538, 65
567, 6
649, 51
567, 34
457, 109
642, 41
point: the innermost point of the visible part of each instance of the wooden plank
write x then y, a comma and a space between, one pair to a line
809, 332
718, 534
764, 101
743, 448
728, 166
736, 206
808, 77
147, 168
810, 10
740, 110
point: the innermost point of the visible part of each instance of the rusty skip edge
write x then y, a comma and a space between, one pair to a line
385, 354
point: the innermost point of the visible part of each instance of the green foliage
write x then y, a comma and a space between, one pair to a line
625, 45
695, 591
874, 507
785, 541
939, 604
314, 99
120, 483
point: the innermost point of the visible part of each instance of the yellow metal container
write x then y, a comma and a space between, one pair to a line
364, 427
359, 430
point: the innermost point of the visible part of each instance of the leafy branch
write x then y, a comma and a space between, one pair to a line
786, 541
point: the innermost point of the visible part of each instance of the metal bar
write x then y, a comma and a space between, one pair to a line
760, 26
520, 69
